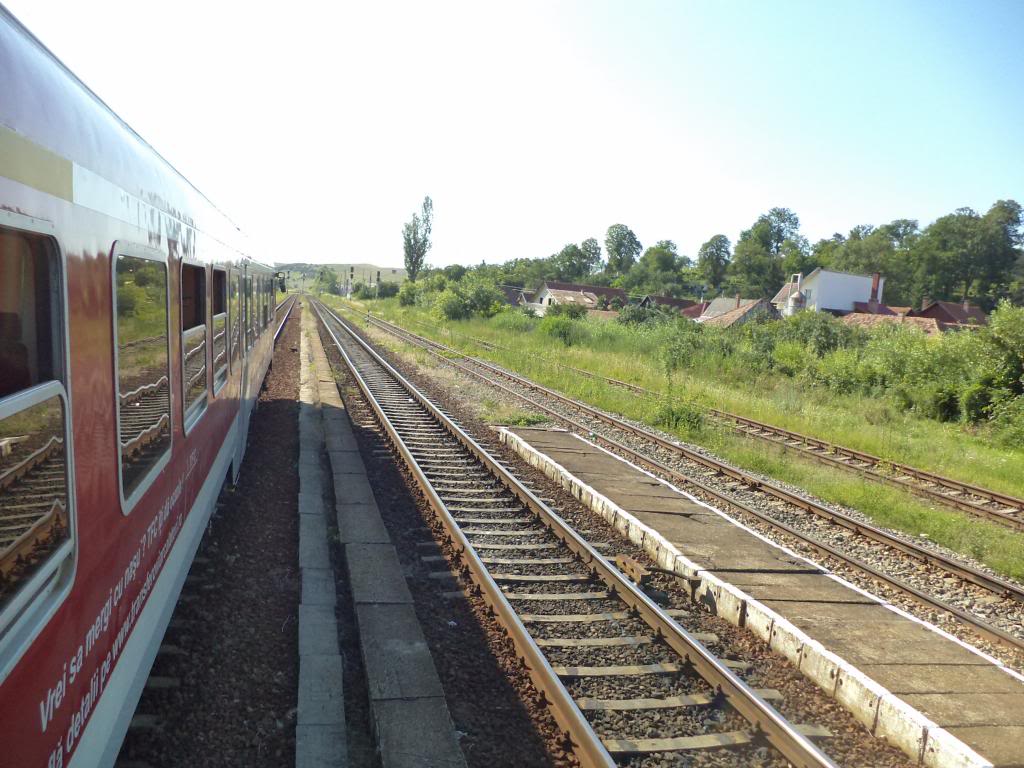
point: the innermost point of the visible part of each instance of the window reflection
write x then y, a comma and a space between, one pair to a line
193, 338
33, 492
143, 370
220, 328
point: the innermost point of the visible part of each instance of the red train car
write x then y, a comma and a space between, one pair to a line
134, 337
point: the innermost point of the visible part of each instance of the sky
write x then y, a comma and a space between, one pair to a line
319, 127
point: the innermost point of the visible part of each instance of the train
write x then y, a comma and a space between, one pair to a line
135, 334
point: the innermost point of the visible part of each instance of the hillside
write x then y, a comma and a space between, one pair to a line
364, 273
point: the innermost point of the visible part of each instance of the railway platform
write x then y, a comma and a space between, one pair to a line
940, 700
409, 715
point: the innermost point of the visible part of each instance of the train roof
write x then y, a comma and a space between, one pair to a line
46, 103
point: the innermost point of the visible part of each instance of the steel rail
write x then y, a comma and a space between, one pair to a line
878, 469
779, 732
280, 325
979, 578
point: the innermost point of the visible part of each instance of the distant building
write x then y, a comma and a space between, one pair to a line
722, 304
667, 302
589, 296
952, 313
745, 312
928, 325
512, 294
828, 290
696, 310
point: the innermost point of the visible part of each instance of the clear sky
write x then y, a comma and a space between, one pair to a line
319, 126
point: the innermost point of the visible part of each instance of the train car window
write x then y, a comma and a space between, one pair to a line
36, 520
264, 300
143, 369
235, 316
220, 329
249, 313
195, 376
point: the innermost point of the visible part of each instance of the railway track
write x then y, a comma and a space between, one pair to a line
290, 302
655, 451
985, 503
33, 498
573, 617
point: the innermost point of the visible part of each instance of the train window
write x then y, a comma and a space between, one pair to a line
193, 341
143, 368
36, 523
249, 314
264, 303
220, 329
235, 316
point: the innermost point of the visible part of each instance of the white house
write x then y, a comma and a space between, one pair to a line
827, 290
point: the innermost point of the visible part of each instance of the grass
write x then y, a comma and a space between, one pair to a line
857, 422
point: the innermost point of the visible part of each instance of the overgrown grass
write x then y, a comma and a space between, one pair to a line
855, 421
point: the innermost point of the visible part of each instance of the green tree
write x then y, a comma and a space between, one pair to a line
622, 247
416, 238
591, 253
327, 281
571, 263
764, 252
713, 260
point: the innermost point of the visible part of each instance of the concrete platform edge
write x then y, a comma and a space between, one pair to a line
882, 712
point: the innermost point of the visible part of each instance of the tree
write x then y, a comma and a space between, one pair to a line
591, 253
766, 250
571, 263
713, 260
623, 247
416, 239
327, 281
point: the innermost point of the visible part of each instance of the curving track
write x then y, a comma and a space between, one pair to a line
709, 475
564, 605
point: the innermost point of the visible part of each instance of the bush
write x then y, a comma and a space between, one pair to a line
680, 414
975, 401
1008, 421
515, 322
838, 370
362, 291
634, 314
818, 331
790, 357
387, 290
483, 297
572, 311
564, 329
452, 305
408, 294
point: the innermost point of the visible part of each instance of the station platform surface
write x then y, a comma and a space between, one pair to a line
907, 681
409, 715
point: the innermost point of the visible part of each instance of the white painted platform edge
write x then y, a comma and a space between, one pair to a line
883, 713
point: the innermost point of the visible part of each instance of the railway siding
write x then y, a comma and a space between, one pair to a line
941, 701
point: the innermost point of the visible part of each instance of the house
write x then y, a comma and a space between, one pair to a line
589, 296
828, 290
722, 304
867, 308
696, 310
740, 314
511, 294
667, 302
952, 313
927, 325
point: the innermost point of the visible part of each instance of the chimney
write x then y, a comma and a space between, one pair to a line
873, 301
967, 305
925, 301
737, 301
